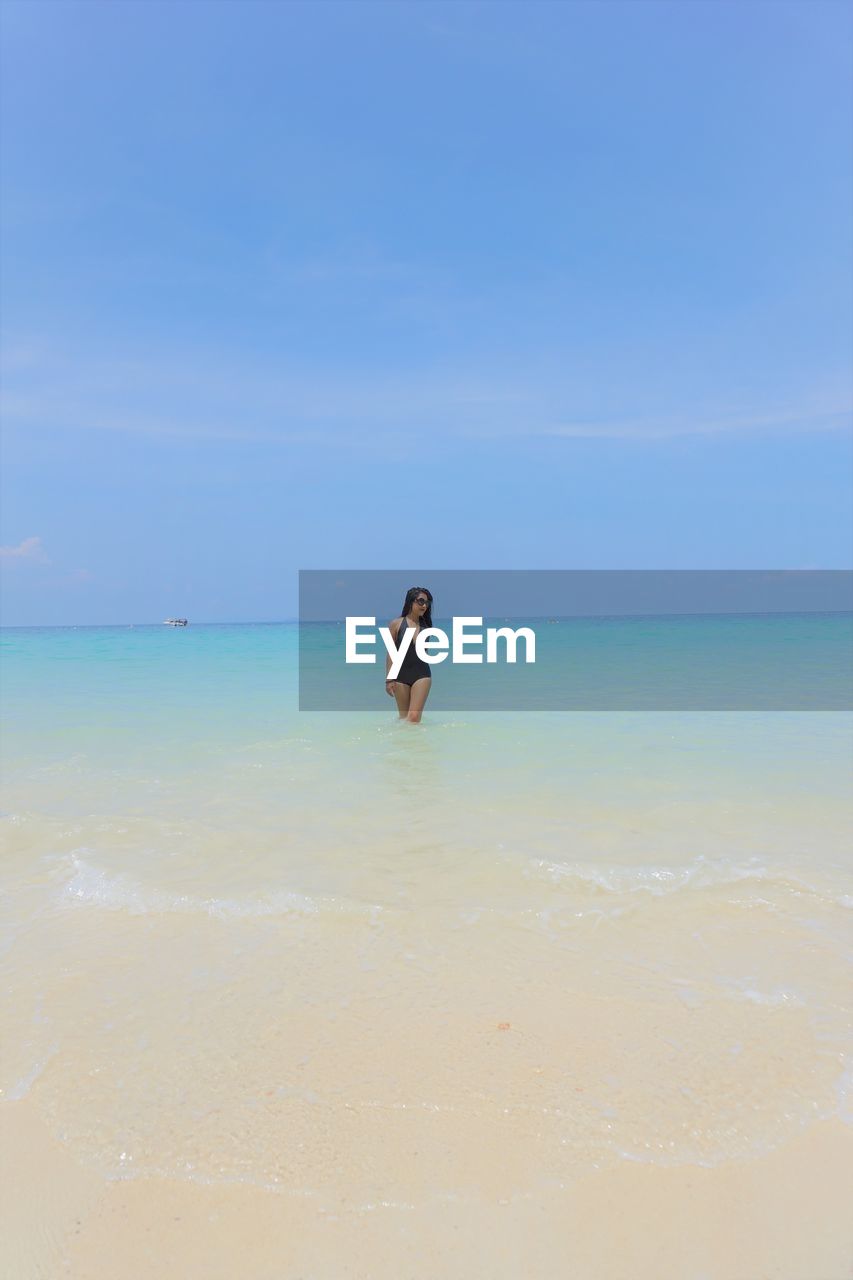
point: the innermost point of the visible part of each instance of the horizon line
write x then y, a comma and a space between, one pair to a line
564, 617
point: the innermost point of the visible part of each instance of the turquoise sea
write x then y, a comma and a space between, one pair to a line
676, 662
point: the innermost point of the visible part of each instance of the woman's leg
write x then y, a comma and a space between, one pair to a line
420, 693
401, 693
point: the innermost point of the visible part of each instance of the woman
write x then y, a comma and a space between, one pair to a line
412, 686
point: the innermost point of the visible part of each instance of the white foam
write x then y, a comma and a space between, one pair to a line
91, 886
22, 1087
701, 873
844, 1094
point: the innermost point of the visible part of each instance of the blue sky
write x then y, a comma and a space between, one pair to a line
408, 284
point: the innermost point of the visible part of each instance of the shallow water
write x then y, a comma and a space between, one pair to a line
340, 957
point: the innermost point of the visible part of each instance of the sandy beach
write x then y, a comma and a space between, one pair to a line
774, 1217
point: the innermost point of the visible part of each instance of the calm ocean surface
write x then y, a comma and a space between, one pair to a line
301, 930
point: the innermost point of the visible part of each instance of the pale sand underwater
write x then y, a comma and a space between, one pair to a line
499, 995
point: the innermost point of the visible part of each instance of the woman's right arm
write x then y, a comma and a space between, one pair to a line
393, 627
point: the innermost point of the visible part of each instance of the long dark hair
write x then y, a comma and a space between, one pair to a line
426, 619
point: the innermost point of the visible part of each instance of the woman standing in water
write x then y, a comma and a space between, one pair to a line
412, 686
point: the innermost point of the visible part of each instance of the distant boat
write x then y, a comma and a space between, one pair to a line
175, 622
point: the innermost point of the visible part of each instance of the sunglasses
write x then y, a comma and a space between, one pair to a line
420, 600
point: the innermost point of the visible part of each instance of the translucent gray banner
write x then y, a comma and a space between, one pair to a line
603, 640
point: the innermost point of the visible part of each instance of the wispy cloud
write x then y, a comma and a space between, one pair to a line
29, 551
202, 398
365, 264
806, 419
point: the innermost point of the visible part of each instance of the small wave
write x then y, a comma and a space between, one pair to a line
93, 887
703, 873
780, 998
844, 1092
21, 1087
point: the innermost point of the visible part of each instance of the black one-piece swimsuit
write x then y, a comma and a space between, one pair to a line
413, 668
